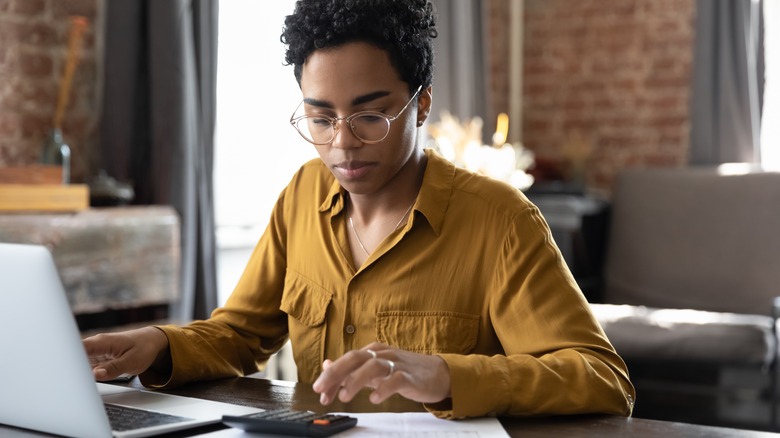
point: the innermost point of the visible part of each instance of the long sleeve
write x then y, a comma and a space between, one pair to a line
558, 360
242, 335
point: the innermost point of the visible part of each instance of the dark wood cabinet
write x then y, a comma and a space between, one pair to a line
579, 225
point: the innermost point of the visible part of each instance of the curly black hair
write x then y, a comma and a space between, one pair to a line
403, 28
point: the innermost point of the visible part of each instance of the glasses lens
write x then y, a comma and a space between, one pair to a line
316, 129
370, 127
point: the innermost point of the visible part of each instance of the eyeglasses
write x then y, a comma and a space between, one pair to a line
368, 126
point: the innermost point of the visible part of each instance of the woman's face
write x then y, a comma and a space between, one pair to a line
340, 81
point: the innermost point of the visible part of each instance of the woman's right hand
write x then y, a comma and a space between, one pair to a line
129, 352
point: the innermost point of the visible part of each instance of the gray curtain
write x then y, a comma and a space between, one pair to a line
459, 82
157, 126
728, 78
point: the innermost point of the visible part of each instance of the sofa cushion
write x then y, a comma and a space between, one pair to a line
694, 238
639, 332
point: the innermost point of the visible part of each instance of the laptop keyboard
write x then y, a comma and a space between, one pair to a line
124, 418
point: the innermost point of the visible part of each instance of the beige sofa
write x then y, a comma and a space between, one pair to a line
692, 272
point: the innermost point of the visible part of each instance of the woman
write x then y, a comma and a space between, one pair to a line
386, 266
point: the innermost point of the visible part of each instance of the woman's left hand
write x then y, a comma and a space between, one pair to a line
419, 377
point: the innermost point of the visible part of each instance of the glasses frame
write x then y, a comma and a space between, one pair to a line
334, 121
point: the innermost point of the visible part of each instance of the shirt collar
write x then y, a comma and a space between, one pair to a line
334, 199
432, 201
435, 193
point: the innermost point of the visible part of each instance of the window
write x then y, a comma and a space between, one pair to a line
256, 150
770, 119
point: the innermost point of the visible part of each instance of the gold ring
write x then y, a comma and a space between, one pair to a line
372, 353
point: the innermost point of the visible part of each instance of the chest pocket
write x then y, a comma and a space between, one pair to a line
428, 332
306, 304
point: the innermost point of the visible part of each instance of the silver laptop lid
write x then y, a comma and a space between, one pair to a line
46, 380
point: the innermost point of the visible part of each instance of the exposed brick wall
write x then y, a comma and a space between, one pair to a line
497, 43
33, 47
608, 77
611, 77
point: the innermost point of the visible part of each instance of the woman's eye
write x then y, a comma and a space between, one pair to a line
319, 120
370, 118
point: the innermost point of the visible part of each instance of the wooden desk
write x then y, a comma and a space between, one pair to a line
273, 394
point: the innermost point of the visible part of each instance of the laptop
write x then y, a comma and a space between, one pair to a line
46, 382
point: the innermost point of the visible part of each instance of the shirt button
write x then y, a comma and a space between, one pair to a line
350, 329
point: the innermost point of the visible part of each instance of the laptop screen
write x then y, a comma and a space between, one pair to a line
46, 382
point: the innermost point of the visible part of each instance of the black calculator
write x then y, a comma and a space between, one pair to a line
291, 422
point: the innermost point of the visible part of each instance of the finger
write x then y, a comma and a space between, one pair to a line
371, 374
338, 374
392, 384
327, 396
97, 345
326, 384
334, 374
391, 368
108, 370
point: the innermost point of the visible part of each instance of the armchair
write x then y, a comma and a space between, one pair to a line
691, 278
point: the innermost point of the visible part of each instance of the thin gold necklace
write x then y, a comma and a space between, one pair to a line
360, 242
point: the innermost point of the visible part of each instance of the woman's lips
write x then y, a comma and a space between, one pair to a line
353, 169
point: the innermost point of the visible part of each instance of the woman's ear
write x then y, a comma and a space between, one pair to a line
424, 101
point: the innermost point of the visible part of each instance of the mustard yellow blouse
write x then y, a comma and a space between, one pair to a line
474, 277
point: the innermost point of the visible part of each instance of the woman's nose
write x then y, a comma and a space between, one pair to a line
343, 137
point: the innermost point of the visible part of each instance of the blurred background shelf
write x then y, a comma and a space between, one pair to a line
43, 197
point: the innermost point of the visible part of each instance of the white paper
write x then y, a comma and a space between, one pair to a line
408, 424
